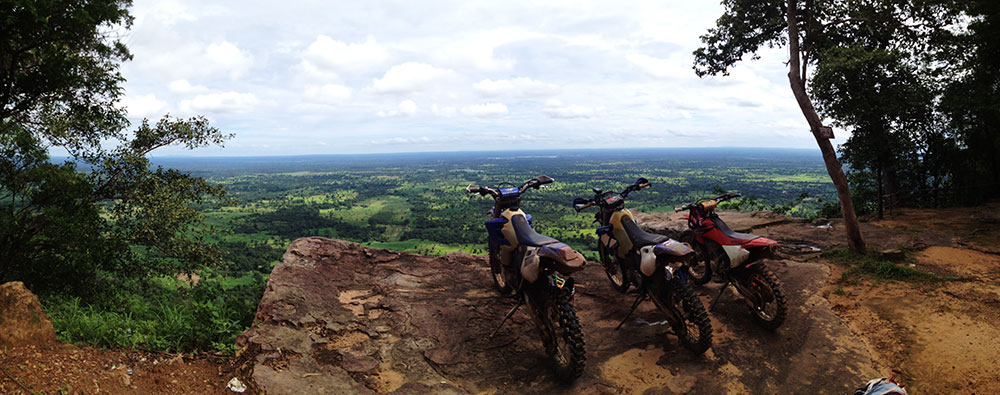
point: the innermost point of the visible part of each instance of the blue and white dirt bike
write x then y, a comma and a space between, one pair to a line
537, 269
653, 263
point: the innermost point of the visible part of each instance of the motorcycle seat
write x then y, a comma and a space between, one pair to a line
730, 233
639, 237
526, 235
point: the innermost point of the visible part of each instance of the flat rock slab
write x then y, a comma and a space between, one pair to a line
340, 318
672, 224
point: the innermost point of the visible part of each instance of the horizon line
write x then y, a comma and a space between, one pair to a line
169, 156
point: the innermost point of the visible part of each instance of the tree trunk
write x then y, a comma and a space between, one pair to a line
880, 175
854, 239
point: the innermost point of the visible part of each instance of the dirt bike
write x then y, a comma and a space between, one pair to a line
652, 263
536, 268
737, 259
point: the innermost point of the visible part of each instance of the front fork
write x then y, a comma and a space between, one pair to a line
662, 290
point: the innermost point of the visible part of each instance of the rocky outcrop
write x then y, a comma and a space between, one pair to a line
22, 320
340, 318
673, 224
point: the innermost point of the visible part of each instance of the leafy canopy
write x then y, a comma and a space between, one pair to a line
103, 212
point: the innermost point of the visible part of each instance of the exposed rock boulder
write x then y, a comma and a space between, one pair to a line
340, 318
22, 320
673, 224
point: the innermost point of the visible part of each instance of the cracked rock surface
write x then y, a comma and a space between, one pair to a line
341, 318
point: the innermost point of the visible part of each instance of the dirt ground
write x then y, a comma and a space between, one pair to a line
943, 337
68, 369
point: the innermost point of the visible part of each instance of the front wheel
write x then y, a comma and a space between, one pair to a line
769, 309
563, 337
617, 272
692, 326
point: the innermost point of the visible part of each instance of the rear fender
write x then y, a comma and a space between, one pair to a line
563, 259
737, 255
670, 251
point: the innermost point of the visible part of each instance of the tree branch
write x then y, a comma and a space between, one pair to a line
846, 20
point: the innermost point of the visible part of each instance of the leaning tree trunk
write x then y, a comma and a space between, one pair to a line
797, 80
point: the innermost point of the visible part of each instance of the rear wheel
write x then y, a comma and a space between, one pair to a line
699, 269
564, 343
769, 308
693, 327
615, 270
500, 278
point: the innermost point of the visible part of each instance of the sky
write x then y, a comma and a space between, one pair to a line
331, 77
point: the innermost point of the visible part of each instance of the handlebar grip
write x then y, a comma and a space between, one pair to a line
473, 189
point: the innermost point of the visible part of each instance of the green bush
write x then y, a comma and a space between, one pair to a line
164, 315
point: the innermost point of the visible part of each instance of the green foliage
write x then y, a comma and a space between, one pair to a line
970, 103
93, 234
414, 204
915, 82
105, 210
866, 266
167, 315
745, 27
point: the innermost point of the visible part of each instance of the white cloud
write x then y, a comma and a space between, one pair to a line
226, 56
557, 109
408, 77
301, 72
183, 86
408, 107
444, 111
404, 140
167, 12
485, 110
674, 113
405, 108
521, 86
327, 54
225, 102
144, 106
328, 94
476, 48
673, 67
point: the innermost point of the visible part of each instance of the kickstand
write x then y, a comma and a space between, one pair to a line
638, 300
714, 302
520, 301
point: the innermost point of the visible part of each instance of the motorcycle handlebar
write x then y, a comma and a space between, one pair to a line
583, 206
482, 191
536, 183
721, 198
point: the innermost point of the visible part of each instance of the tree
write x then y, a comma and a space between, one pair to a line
66, 226
825, 33
971, 101
744, 28
884, 98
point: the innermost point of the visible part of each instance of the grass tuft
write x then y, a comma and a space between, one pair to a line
865, 266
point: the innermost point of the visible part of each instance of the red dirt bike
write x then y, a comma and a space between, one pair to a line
652, 263
737, 259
